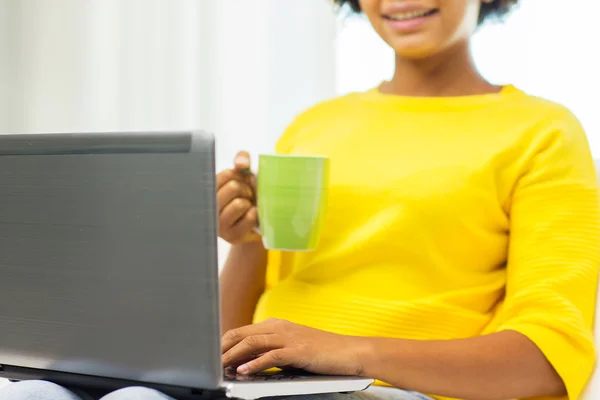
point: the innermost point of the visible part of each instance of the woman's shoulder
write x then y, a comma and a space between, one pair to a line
535, 121
545, 109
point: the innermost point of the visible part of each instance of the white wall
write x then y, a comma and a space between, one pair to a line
108, 65
275, 58
240, 69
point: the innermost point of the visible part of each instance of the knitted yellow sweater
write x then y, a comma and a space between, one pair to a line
449, 218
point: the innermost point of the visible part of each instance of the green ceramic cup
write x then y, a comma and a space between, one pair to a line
292, 200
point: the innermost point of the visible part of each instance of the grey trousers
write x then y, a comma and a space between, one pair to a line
42, 390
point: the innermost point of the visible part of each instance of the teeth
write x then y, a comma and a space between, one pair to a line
408, 15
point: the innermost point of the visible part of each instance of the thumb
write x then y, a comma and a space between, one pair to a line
242, 161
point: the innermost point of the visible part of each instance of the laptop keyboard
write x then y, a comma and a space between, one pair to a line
232, 376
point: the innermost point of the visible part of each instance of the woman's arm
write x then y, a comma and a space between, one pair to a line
499, 366
539, 341
242, 283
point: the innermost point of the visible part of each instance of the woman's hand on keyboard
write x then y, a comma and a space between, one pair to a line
279, 343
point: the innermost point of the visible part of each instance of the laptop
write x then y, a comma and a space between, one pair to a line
108, 267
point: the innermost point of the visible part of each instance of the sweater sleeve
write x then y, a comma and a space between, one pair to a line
554, 253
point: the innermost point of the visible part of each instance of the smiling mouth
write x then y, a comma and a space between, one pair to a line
406, 16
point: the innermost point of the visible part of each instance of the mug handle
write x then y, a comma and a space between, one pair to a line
257, 227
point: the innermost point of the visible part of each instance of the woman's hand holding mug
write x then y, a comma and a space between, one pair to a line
236, 202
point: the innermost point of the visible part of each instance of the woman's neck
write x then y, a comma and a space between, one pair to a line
451, 73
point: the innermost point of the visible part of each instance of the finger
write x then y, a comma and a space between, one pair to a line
243, 231
233, 212
250, 348
242, 161
231, 190
246, 224
274, 358
228, 174
234, 366
234, 336
225, 176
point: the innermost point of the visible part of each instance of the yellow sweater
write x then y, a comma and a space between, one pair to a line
449, 218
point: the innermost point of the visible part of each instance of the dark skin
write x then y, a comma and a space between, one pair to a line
433, 60
243, 277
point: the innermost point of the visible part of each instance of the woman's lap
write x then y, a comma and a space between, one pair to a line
42, 390
37, 390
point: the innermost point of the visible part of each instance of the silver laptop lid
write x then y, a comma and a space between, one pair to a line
108, 259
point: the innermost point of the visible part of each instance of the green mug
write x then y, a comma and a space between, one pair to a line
292, 199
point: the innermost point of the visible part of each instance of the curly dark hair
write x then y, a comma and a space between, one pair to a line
494, 10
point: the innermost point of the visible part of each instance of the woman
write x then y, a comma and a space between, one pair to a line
460, 252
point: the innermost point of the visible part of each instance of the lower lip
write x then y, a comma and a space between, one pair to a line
409, 25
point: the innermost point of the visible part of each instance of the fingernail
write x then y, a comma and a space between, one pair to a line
243, 369
242, 160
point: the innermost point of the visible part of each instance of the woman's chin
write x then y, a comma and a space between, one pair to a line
415, 51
